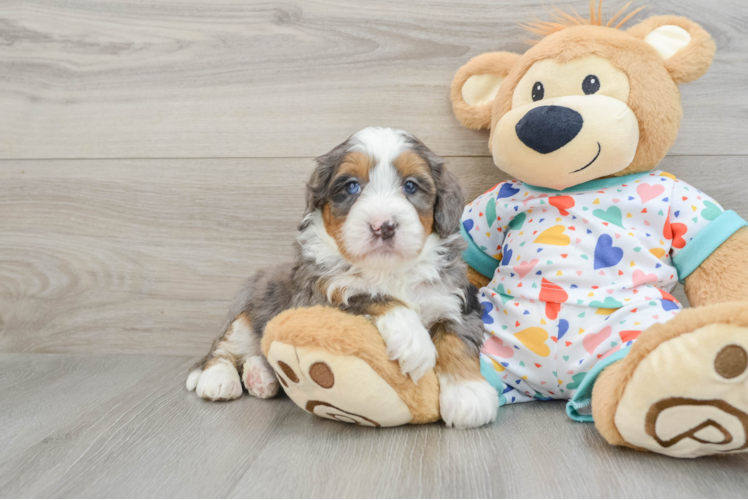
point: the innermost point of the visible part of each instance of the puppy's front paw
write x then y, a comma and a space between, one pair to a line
259, 378
407, 341
219, 382
467, 403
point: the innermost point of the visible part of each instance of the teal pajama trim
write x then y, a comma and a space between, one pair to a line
583, 397
475, 258
492, 377
592, 185
706, 242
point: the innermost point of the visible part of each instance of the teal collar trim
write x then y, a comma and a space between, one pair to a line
592, 185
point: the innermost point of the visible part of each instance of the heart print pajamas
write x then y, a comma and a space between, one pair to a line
578, 274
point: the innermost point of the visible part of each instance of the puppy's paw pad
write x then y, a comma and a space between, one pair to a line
219, 382
259, 378
467, 403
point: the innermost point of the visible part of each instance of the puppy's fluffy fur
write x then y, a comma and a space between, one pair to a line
380, 237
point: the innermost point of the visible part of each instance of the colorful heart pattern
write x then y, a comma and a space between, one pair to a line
579, 275
607, 255
524, 268
554, 236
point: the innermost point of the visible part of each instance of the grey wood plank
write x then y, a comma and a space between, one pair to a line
186, 78
143, 256
138, 433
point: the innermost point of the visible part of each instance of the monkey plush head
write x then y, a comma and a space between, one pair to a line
587, 100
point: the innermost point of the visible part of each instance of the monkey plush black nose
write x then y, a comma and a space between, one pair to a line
548, 128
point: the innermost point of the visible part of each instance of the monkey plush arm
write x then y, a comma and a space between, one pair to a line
484, 226
723, 276
477, 279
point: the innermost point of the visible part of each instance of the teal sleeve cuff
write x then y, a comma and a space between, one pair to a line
493, 379
578, 406
706, 242
475, 258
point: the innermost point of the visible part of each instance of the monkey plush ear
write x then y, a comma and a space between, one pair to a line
476, 84
685, 47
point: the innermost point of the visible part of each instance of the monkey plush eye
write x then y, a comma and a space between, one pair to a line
591, 84
538, 91
410, 187
353, 187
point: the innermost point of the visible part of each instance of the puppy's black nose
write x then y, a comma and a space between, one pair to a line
388, 230
385, 231
548, 128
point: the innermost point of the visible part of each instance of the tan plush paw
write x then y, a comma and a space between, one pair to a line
689, 396
342, 388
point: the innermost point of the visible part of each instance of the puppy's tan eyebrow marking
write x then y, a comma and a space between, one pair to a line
357, 164
409, 164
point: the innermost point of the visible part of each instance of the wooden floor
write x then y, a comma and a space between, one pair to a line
153, 153
102, 426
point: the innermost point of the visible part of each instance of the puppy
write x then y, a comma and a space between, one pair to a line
380, 238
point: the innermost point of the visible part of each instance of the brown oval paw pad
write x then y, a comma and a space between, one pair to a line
731, 361
322, 375
289, 372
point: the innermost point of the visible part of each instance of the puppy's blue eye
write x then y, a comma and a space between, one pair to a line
353, 187
410, 187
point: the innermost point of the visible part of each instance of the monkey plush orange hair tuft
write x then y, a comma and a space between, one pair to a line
564, 20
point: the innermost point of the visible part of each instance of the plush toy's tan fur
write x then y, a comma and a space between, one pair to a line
477, 279
723, 276
499, 63
654, 97
344, 334
611, 384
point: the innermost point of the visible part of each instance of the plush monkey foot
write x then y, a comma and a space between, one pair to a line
334, 365
682, 390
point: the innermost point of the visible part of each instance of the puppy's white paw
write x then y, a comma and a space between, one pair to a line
259, 378
192, 379
220, 382
467, 403
407, 341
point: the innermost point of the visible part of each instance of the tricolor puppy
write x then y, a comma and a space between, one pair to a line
380, 238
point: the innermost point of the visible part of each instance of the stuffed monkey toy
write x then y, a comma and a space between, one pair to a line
575, 260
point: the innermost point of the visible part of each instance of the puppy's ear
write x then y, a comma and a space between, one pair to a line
450, 203
317, 189
685, 47
475, 86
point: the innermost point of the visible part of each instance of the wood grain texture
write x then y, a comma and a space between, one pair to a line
153, 154
143, 256
123, 426
189, 78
